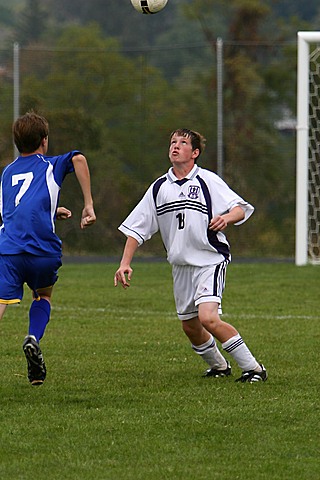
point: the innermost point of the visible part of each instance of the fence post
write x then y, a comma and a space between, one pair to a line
220, 106
16, 85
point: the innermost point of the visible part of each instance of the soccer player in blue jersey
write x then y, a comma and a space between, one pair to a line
30, 250
191, 207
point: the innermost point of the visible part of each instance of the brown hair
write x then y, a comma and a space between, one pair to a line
197, 140
28, 132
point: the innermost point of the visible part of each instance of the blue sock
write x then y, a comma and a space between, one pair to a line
39, 316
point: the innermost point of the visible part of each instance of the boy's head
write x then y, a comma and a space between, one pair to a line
197, 140
28, 132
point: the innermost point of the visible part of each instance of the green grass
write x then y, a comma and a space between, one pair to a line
124, 398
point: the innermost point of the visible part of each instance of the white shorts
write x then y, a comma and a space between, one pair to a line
195, 285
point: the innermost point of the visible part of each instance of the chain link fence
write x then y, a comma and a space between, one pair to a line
119, 107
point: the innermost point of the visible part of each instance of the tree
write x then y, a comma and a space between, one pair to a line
253, 152
118, 111
116, 19
31, 23
118, 97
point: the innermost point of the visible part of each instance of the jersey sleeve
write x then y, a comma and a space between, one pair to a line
246, 207
142, 222
62, 165
225, 199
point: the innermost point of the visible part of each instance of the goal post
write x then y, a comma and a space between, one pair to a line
308, 151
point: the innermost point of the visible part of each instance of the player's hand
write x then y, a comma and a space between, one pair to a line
218, 223
63, 213
123, 275
88, 217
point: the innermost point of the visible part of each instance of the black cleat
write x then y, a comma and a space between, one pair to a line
213, 372
36, 366
252, 376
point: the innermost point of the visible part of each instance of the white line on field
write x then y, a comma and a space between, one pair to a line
149, 313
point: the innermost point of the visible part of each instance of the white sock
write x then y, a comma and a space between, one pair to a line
241, 353
211, 354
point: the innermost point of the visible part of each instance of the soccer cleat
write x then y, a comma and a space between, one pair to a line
214, 372
252, 376
36, 366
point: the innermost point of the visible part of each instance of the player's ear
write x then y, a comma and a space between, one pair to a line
195, 153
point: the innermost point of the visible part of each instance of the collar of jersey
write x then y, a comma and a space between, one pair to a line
172, 178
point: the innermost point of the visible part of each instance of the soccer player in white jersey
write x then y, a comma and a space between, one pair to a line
30, 250
191, 207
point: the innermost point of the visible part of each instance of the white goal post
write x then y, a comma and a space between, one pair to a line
308, 150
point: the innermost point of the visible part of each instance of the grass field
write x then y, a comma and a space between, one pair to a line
124, 398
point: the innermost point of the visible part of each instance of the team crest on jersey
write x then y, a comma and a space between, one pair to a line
193, 192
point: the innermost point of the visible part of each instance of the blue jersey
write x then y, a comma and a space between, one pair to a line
29, 195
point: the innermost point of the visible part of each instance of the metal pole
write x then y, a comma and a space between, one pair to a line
16, 85
220, 106
301, 255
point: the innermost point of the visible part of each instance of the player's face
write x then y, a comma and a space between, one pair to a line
180, 150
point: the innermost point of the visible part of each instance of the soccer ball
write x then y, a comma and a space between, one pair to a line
149, 6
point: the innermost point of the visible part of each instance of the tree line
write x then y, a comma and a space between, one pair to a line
118, 104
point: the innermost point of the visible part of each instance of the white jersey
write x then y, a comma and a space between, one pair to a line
181, 210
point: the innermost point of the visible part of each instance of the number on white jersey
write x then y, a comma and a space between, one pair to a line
181, 220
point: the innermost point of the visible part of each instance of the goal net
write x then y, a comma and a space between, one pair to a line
308, 150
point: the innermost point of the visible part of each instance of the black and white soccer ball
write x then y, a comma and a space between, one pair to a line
149, 6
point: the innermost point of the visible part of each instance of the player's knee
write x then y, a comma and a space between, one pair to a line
209, 316
210, 321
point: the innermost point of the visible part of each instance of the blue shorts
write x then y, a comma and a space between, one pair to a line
15, 270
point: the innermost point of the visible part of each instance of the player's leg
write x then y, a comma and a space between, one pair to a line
2, 309
201, 340
210, 283
39, 313
228, 336
12, 276
203, 343
231, 342
11, 284
211, 321
41, 272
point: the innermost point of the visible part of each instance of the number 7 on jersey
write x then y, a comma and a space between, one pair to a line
26, 178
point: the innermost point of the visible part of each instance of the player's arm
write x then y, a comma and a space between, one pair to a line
124, 272
82, 172
220, 222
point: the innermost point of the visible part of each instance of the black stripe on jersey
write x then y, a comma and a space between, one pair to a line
221, 247
207, 197
156, 188
131, 230
182, 205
